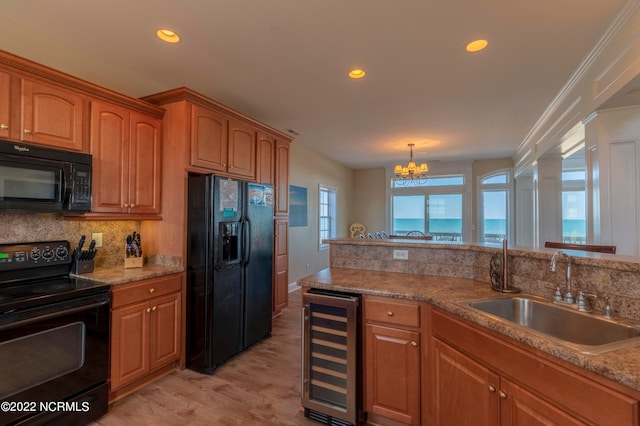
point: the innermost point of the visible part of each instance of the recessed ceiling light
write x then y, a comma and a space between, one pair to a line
357, 73
168, 36
477, 45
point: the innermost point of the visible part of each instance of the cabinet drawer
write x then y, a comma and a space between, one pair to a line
392, 312
126, 294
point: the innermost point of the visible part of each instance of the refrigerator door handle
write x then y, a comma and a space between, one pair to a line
246, 235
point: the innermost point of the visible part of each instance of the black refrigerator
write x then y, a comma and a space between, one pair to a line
229, 268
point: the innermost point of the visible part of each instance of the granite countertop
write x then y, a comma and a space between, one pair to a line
115, 275
621, 366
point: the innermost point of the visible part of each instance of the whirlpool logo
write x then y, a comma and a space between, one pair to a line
21, 148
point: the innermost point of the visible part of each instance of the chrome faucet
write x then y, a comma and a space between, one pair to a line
568, 297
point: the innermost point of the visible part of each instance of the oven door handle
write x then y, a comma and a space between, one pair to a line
35, 317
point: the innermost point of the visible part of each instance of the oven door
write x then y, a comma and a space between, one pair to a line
31, 184
55, 353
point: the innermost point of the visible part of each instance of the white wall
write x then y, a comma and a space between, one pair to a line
613, 138
309, 170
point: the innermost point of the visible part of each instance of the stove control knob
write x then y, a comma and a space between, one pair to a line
47, 254
35, 253
61, 252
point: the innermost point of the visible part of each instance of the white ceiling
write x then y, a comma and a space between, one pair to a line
285, 62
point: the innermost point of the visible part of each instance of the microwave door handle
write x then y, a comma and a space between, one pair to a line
66, 187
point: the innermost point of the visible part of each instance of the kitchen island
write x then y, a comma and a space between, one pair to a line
439, 276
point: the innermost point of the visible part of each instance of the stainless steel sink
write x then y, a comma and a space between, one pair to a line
586, 332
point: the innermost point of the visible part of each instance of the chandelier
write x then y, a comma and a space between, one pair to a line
411, 172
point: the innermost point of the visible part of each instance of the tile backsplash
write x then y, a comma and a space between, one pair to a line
21, 227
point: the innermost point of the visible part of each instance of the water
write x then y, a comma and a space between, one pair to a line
571, 228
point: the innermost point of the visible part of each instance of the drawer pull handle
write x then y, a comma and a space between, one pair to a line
389, 313
502, 395
148, 310
3, 126
151, 290
27, 131
414, 343
492, 389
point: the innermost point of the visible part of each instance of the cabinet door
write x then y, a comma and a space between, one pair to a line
465, 392
520, 407
392, 373
282, 177
242, 150
281, 265
145, 164
52, 115
164, 341
266, 147
129, 344
209, 139
5, 104
110, 150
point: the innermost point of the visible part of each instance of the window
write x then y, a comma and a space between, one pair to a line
432, 207
494, 196
574, 223
327, 215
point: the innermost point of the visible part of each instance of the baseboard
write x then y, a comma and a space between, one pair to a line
294, 287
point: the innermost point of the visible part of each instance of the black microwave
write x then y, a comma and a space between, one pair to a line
38, 179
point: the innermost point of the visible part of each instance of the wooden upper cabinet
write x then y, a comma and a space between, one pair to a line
52, 115
5, 104
145, 164
110, 150
242, 150
282, 177
265, 148
209, 139
127, 155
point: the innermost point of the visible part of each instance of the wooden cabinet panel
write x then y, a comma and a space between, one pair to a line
589, 401
521, 407
209, 139
281, 265
164, 344
129, 344
52, 115
266, 148
109, 147
397, 313
465, 391
242, 150
145, 164
282, 177
392, 376
146, 329
127, 160
5, 104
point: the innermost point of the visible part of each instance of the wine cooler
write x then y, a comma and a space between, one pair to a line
331, 389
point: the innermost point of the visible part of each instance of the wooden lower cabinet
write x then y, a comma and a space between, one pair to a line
477, 378
146, 330
392, 361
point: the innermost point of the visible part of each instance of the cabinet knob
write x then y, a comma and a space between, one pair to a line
492, 389
27, 131
414, 343
389, 313
125, 205
151, 290
148, 310
132, 205
502, 395
3, 126
155, 308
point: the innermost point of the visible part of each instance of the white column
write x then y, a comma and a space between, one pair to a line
548, 180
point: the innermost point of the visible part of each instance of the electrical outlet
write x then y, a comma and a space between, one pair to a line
401, 254
98, 237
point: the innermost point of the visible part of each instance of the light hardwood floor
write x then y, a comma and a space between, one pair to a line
260, 386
